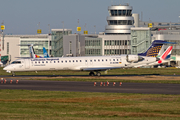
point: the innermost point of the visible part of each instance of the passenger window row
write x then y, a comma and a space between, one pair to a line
65, 61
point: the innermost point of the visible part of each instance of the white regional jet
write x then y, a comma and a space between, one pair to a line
91, 63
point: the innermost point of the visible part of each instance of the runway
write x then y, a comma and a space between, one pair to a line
142, 88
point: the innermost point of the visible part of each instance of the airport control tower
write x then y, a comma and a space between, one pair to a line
120, 20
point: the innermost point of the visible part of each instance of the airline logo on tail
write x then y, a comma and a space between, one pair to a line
37, 56
166, 54
153, 52
45, 53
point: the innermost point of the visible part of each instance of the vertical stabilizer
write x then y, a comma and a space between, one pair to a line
45, 53
166, 54
155, 48
31, 51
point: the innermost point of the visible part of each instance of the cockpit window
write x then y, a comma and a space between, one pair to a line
16, 62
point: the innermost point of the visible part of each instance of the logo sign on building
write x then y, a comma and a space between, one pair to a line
85, 32
78, 28
2, 27
39, 31
150, 25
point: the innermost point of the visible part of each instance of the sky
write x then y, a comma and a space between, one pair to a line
23, 16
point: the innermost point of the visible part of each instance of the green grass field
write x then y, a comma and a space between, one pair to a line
130, 71
55, 105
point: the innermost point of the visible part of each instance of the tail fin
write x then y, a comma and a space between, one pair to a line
45, 53
166, 54
31, 51
155, 48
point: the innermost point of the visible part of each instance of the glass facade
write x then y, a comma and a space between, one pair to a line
7, 47
176, 48
37, 49
116, 47
57, 42
93, 46
120, 22
140, 41
121, 12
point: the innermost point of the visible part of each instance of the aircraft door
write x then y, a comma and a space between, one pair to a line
27, 63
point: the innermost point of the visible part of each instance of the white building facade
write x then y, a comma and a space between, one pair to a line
12, 50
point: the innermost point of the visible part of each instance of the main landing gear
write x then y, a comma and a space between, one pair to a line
13, 74
92, 73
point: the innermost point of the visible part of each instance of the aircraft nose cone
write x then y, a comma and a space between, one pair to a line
5, 68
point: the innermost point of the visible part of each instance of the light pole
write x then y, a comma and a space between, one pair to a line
63, 27
95, 29
2, 28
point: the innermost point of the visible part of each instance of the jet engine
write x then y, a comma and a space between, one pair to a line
133, 58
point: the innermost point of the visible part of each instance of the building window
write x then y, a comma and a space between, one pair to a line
7, 47
70, 47
105, 42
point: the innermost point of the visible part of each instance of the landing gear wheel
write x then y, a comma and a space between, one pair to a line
91, 74
98, 74
13, 74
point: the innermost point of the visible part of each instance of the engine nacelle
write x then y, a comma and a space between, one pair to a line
134, 58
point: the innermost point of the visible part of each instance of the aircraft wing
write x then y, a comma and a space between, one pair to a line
99, 68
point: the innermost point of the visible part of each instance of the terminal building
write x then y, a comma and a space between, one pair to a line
12, 50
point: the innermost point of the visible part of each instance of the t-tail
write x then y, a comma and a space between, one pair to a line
155, 48
45, 53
